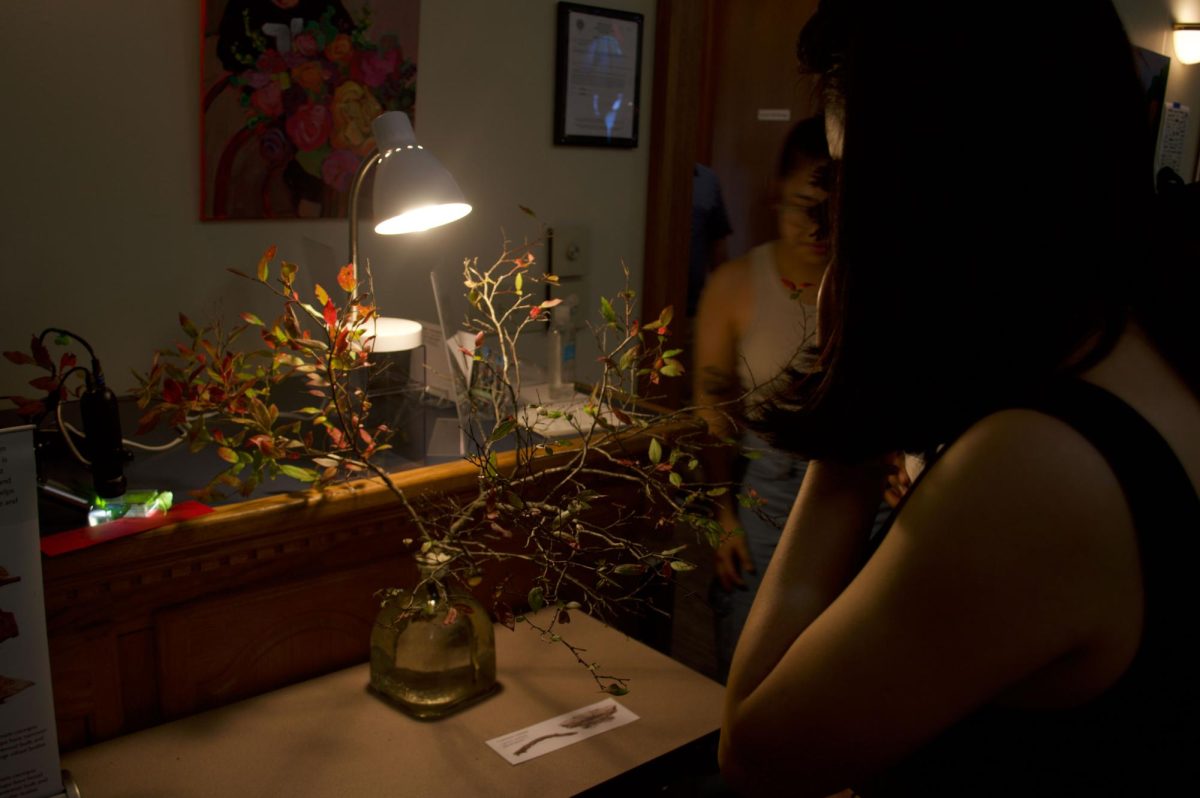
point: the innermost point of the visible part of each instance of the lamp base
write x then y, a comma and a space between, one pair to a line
396, 335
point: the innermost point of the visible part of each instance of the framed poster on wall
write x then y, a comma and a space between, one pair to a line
289, 89
598, 76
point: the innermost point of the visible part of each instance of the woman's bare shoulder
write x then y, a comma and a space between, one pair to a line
727, 291
730, 275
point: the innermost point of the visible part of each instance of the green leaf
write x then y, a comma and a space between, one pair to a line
250, 318
672, 353
503, 429
302, 474
630, 569
536, 599
606, 310
616, 689
519, 282
676, 479
287, 272
680, 565
227, 454
714, 492
655, 452
673, 368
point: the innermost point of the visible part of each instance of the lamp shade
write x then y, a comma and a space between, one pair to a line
1187, 43
413, 192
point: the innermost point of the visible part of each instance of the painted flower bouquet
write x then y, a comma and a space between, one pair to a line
309, 90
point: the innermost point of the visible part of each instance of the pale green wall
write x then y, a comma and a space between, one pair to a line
101, 142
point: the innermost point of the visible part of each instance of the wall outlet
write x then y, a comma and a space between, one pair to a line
570, 251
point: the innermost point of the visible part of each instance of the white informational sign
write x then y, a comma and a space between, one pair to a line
29, 764
568, 728
1174, 138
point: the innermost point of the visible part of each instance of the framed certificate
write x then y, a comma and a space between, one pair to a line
597, 76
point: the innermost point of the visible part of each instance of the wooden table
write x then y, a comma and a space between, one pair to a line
329, 737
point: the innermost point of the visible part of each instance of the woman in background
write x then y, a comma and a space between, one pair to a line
757, 318
1020, 629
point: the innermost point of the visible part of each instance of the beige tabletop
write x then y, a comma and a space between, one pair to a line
328, 737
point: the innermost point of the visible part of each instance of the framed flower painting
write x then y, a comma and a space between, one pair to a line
289, 91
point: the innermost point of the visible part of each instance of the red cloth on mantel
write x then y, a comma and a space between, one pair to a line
84, 536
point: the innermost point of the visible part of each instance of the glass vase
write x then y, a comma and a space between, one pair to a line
433, 649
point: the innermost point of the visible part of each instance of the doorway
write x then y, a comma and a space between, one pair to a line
726, 92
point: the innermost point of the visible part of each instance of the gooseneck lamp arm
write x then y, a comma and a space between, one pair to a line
355, 190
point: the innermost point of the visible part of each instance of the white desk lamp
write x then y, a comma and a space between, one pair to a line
413, 192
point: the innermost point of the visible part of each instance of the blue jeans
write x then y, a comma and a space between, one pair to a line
776, 476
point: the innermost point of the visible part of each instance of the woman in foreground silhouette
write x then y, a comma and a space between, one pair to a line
995, 303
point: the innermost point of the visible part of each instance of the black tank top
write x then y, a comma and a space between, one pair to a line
1139, 737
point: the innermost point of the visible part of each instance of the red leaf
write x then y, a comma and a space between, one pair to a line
478, 340
189, 329
346, 279
40, 355
172, 392
66, 361
264, 443
451, 616
534, 311
366, 436
264, 261
148, 421
30, 408
330, 313
788, 284
20, 358
504, 615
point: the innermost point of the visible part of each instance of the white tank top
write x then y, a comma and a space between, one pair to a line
780, 328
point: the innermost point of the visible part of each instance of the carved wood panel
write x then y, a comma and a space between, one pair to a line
215, 651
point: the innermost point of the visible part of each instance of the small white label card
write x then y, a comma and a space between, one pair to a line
571, 727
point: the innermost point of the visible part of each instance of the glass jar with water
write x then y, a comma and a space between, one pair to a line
433, 649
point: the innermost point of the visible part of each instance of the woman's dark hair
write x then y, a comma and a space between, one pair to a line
805, 142
990, 214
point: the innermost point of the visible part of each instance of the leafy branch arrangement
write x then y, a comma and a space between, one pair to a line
296, 404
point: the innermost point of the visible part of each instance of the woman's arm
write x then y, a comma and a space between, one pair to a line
715, 386
1000, 564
